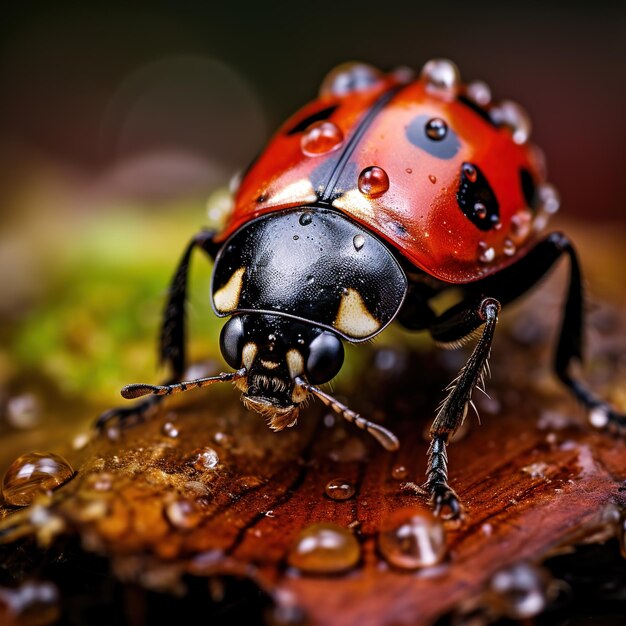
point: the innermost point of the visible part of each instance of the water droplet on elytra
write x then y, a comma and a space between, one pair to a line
479, 92
470, 172
183, 513
480, 210
417, 540
486, 254
509, 247
549, 198
205, 459
320, 138
408, 170
441, 76
339, 489
432, 178
324, 549
169, 430
436, 129
305, 219
373, 181
34, 473
514, 117
296, 237
399, 472
521, 224
358, 242
349, 77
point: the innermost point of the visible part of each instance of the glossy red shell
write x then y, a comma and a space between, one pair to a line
418, 214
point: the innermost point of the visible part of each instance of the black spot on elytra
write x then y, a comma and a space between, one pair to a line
529, 189
472, 194
477, 109
302, 125
444, 148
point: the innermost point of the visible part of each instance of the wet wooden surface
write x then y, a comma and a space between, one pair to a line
534, 476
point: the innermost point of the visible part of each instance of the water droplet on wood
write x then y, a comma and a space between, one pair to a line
34, 473
325, 549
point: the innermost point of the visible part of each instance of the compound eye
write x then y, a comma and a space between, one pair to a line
325, 358
231, 341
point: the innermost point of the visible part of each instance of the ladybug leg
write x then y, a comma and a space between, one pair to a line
513, 281
173, 328
453, 409
172, 338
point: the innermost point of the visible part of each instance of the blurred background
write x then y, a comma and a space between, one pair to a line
119, 120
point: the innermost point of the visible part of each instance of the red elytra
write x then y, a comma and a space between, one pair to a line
419, 213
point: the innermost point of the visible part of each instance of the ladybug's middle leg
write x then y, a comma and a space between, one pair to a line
454, 327
172, 339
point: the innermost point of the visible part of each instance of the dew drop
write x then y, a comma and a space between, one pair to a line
442, 77
432, 178
358, 242
479, 92
399, 472
521, 224
34, 473
33, 603
509, 248
480, 210
514, 117
470, 172
23, 411
320, 138
183, 514
339, 489
536, 470
296, 237
436, 129
373, 181
100, 482
549, 198
520, 591
486, 254
224, 439
408, 170
599, 417
170, 430
305, 219
418, 540
349, 77
324, 549
205, 459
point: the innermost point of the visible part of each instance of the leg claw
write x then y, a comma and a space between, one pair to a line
446, 503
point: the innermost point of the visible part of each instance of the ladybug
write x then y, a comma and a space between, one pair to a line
384, 192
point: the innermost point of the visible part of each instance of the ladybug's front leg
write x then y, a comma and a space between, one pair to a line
172, 338
453, 409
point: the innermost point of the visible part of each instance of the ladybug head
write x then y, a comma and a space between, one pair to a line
280, 356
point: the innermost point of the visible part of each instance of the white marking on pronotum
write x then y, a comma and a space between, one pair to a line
301, 191
226, 299
353, 318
